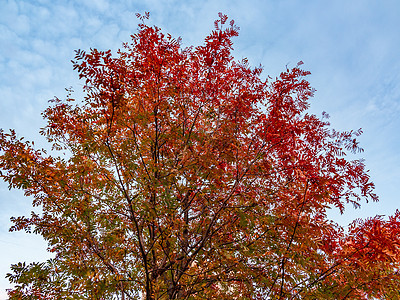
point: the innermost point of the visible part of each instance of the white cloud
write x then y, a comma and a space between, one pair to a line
96, 5
20, 25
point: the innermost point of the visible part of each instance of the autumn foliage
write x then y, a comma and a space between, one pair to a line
185, 175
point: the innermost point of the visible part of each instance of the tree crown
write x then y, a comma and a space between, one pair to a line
187, 176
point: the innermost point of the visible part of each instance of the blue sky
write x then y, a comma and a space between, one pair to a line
352, 49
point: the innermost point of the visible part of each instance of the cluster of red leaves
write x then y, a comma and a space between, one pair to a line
187, 176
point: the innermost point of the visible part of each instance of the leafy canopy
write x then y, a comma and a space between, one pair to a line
187, 176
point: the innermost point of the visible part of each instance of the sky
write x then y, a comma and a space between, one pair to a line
352, 49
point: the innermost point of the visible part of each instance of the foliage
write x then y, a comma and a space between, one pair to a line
184, 175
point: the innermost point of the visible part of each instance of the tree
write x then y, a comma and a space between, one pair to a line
184, 175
